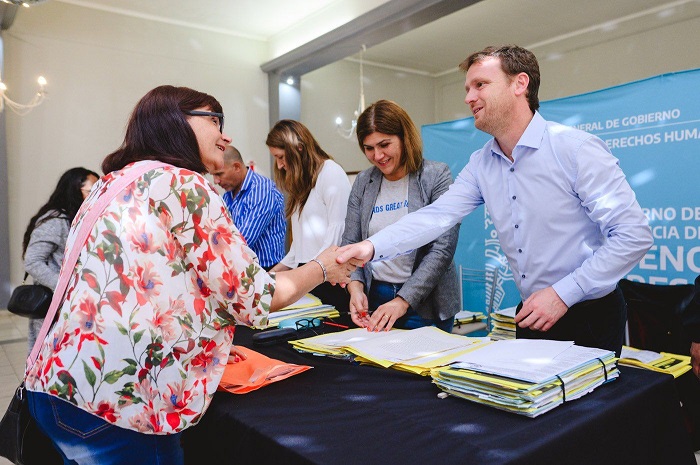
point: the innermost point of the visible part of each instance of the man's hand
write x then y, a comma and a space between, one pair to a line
695, 357
541, 310
337, 272
363, 251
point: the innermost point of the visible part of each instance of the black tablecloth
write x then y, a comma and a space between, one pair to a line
341, 413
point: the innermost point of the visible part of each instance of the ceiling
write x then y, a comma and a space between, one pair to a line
547, 27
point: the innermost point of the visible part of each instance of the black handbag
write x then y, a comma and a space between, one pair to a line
30, 300
21, 440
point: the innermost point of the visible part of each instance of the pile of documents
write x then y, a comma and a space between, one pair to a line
663, 362
503, 324
526, 376
467, 322
416, 350
308, 306
465, 317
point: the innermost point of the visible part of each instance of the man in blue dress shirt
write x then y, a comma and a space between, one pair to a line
256, 207
566, 218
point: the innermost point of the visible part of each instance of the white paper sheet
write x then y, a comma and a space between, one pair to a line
398, 346
532, 360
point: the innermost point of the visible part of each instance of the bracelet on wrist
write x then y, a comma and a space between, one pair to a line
323, 268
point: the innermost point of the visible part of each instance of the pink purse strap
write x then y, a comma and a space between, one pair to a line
68, 266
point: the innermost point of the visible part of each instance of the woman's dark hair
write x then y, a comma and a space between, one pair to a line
389, 118
64, 202
158, 130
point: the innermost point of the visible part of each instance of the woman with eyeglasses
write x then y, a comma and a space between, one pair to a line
146, 328
416, 289
46, 234
316, 189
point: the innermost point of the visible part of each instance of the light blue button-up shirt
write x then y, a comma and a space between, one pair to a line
565, 215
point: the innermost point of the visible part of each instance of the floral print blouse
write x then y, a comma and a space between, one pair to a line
144, 333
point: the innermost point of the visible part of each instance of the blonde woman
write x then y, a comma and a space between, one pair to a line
316, 189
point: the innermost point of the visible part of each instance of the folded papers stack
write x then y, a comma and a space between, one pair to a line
416, 350
663, 362
527, 377
467, 322
308, 306
503, 324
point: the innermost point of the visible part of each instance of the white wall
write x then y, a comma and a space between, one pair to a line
585, 69
98, 65
334, 90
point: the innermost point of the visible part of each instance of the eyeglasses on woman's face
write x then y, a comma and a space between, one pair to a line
217, 118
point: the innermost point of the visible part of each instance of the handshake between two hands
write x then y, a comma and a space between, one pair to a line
340, 262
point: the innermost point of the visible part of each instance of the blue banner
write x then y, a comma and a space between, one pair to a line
653, 127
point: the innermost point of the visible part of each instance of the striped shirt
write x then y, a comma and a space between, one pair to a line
258, 213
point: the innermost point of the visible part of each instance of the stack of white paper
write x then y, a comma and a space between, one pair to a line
465, 317
308, 306
503, 324
416, 350
528, 377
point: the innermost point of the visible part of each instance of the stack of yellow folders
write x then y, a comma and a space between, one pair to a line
663, 362
308, 306
528, 377
467, 322
503, 324
416, 350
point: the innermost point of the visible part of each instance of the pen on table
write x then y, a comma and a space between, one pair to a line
335, 324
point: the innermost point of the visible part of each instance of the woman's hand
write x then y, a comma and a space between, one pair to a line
279, 267
358, 304
386, 315
235, 355
337, 273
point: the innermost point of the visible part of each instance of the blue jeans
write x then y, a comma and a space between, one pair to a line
84, 438
381, 292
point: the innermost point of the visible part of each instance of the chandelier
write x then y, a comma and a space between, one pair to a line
20, 108
24, 3
347, 133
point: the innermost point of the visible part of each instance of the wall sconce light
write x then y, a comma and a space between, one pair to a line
347, 133
23, 109
24, 3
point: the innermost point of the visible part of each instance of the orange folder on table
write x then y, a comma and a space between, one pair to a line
256, 371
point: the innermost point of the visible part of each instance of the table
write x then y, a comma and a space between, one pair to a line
341, 413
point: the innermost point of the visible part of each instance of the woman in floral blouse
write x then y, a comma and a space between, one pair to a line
147, 324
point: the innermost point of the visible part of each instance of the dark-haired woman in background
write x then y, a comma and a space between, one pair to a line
46, 234
415, 289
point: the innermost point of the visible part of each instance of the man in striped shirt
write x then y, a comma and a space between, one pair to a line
256, 207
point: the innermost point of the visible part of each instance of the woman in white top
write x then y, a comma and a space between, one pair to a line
316, 189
